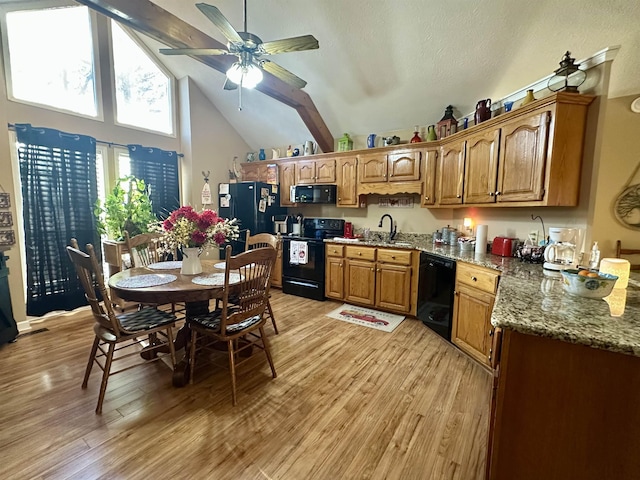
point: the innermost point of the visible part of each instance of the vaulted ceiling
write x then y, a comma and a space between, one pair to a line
386, 65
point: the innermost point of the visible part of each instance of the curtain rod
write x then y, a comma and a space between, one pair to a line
104, 142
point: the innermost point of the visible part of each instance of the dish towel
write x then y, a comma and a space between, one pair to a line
298, 253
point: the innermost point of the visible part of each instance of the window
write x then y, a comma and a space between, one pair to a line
51, 58
143, 91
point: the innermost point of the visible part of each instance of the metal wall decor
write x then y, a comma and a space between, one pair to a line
7, 237
627, 206
6, 220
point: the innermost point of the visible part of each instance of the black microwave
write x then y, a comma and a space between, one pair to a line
315, 194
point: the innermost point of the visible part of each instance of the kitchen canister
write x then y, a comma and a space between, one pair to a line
481, 239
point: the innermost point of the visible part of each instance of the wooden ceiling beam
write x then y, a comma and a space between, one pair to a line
148, 18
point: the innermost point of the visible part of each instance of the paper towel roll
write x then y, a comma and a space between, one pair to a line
481, 239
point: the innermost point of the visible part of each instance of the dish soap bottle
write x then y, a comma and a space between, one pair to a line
594, 259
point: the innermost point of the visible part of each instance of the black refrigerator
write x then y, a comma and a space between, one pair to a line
254, 204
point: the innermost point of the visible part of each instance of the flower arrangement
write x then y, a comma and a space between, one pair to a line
187, 228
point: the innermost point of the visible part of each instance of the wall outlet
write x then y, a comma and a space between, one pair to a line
533, 237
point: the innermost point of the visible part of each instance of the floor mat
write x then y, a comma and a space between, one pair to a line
367, 317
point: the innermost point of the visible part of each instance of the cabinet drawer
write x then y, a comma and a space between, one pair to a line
362, 253
335, 250
477, 277
397, 257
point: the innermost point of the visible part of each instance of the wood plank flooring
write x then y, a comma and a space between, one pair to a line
349, 402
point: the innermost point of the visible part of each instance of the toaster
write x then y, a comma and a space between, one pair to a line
504, 246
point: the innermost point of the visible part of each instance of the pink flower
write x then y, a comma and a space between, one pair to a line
198, 237
167, 225
219, 238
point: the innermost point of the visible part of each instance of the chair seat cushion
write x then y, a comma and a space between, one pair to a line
212, 322
145, 319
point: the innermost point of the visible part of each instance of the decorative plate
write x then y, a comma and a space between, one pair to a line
150, 280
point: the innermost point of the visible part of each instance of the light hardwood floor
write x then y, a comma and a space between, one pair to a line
349, 402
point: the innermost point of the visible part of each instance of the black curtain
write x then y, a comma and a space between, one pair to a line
159, 169
59, 191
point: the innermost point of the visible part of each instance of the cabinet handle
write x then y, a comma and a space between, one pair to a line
340, 264
340, 198
378, 270
491, 333
491, 194
498, 192
393, 256
373, 269
458, 196
359, 253
426, 198
455, 292
474, 279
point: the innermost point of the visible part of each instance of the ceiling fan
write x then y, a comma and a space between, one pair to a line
249, 48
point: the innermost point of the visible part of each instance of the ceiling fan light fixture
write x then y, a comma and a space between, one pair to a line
247, 76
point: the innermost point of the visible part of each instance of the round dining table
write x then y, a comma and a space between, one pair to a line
157, 285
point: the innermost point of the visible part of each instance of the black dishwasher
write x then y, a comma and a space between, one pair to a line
436, 281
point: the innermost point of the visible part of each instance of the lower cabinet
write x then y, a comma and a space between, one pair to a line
473, 302
276, 275
372, 276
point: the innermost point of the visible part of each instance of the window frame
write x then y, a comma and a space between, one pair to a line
172, 83
6, 54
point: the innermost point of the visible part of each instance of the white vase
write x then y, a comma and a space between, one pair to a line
191, 264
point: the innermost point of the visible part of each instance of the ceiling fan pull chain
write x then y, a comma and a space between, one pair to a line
240, 97
244, 14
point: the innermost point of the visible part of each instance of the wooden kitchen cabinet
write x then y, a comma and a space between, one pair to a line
381, 277
400, 165
474, 297
276, 275
451, 173
347, 182
430, 157
481, 167
287, 180
523, 155
372, 167
316, 171
254, 172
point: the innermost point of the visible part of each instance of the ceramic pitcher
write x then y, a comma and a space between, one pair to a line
431, 133
275, 152
483, 111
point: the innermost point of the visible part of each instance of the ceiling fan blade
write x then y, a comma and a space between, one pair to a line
283, 74
293, 44
220, 21
193, 51
229, 85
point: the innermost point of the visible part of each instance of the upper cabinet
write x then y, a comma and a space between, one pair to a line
429, 157
315, 171
395, 166
254, 172
373, 167
481, 167
347, 185
287, 180
451, 173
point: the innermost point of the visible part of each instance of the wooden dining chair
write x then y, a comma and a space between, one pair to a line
261, 240
240, 325
144, 249
114, 332
620, 252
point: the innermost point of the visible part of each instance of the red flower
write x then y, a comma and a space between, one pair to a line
198, 237
167, 225
219, 238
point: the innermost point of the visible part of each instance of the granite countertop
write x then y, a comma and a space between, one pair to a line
532, 302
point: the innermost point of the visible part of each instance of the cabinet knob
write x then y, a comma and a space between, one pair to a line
378, 270
455, 292
373, 269
498, 192
491, 333
359, 253
393, 256
426, 198
475, 279
458, 196
491, 194
340, 198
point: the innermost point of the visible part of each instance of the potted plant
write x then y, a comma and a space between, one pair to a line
127, 207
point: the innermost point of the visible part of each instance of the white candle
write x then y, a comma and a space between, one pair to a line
618, 267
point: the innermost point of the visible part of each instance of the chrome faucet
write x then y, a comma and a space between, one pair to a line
392, 230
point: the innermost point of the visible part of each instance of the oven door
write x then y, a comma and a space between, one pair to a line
304, 280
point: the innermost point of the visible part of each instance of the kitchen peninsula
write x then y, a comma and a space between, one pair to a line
566, 375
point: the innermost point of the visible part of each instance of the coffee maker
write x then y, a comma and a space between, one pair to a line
561, 252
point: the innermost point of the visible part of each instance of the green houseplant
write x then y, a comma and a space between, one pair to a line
127, 207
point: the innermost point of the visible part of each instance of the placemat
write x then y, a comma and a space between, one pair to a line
165, 265
217, 279
220, 265
150, 280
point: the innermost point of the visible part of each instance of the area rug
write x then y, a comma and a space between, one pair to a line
367, 317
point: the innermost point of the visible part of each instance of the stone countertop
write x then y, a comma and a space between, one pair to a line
532, 302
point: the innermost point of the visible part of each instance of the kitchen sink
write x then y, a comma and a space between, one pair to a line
401, 244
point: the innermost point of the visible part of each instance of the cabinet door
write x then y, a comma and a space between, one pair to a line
287, 180
305, 172
256, 172
404, 165
326, 171
360, 282
276, 275
393, 287
451, 173
523, 155
429, 181
334, 278
372, 167
347, 192
471, 322
481, 167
